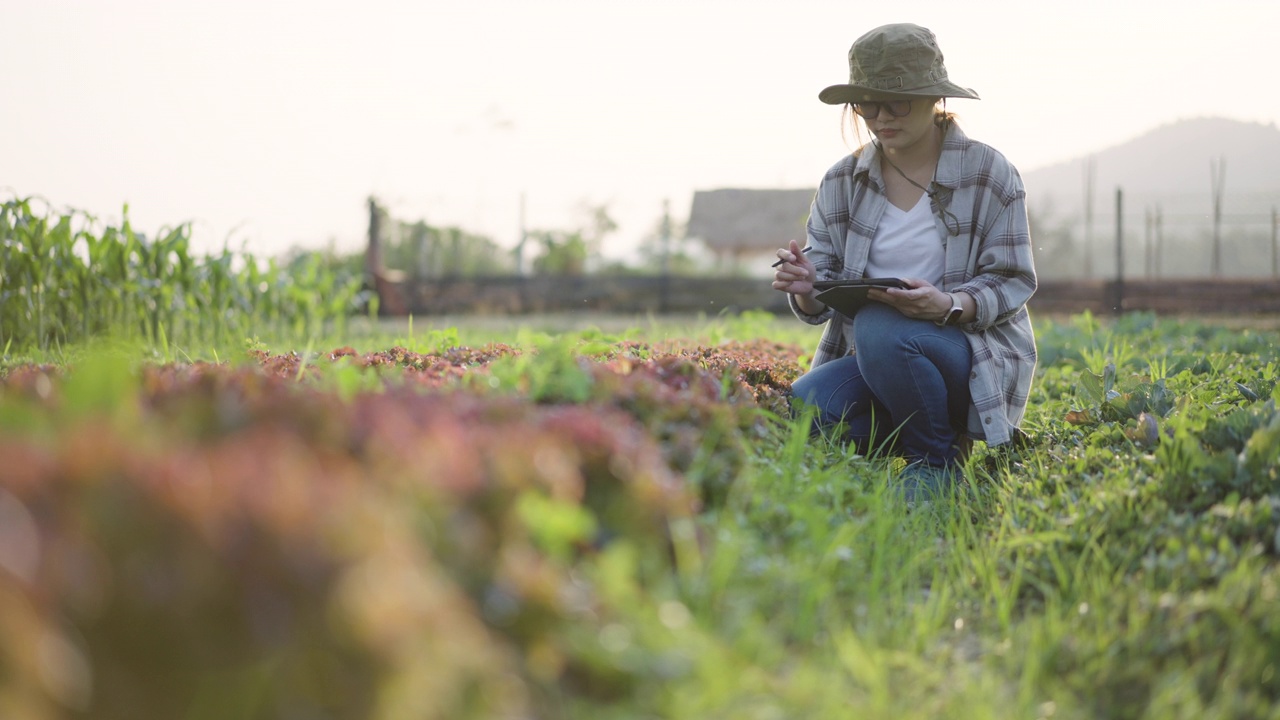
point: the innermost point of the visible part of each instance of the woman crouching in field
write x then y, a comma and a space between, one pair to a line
949, 357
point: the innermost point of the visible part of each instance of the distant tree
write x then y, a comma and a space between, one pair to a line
562, 252
665, 248
573, 252
425, 251
599, 225
449, 252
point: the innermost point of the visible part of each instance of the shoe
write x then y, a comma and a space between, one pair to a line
921, 483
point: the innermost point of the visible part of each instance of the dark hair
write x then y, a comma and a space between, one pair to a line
942, 117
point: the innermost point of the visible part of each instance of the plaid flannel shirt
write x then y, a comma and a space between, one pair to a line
989, 259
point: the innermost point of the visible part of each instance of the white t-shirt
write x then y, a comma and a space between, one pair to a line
906, 244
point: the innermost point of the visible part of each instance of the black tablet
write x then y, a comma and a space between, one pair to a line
846, 296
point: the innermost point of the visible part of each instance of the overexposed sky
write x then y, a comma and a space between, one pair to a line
267, 123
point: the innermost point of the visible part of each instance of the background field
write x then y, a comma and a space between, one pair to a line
613, 517
229, 489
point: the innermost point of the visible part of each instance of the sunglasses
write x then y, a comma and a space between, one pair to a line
871, 110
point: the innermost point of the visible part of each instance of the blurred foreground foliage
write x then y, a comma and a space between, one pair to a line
595, 527
385, 535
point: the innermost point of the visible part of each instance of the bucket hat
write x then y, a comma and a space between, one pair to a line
895, 62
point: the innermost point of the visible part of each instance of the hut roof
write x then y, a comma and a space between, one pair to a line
737, 220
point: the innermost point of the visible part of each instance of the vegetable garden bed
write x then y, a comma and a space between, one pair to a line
600, 526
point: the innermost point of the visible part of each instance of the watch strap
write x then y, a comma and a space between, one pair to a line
953, 315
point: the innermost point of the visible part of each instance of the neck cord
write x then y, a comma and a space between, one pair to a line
947, 216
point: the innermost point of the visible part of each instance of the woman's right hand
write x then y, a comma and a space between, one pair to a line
796, 274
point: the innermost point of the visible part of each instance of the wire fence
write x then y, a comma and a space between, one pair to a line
1153, 238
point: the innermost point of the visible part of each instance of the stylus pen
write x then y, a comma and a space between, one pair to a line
807, 249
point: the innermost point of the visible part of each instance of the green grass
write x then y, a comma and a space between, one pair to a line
1095, 573
1122, 564
1085, 576
427, 333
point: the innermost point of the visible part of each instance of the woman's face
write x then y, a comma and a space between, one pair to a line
898, 134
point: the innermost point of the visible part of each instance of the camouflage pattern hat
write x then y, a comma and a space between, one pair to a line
895, 62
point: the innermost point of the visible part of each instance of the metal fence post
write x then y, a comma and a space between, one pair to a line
1119, 284
1218, 176
1275, 242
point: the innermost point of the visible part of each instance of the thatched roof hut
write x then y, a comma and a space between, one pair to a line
736, 222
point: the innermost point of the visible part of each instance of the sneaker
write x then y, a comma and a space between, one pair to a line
922, 483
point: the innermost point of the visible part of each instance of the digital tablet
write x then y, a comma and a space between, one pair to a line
846, 296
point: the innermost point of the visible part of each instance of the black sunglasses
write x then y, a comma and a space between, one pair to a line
871, 110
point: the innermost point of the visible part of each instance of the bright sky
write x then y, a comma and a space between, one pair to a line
269, 123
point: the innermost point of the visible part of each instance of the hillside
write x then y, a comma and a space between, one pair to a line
1171, 165
1168, 204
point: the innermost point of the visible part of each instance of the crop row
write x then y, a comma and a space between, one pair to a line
357, 536
63, 280
618, 529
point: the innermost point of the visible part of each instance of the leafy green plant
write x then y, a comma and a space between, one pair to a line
63, 281
588, 524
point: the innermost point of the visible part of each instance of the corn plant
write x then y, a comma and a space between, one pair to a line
62, 281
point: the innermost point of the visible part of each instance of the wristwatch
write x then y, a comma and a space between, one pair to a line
953, 315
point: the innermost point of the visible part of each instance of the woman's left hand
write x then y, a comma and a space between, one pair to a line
919, 300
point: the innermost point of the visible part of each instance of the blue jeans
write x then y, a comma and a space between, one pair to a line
904, 391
